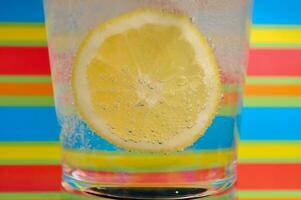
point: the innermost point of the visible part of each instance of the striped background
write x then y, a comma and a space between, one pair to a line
270, 148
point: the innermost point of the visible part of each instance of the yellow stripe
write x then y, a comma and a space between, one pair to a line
269, 151
22, 33
147, 162
247, 152
275, 35
13, 152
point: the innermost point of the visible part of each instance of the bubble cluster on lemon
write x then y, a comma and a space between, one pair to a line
147, 81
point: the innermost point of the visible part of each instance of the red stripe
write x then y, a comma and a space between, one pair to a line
180, 178
39, 178
24, 60
30, 178
34, 60
269, 176
277, 62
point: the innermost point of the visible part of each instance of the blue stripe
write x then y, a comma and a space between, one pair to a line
277, 12
265, 11
39, 124
271, 123
21, 11
219, 135
28, 124
214, 138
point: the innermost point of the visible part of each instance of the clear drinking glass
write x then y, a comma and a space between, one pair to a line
147, 93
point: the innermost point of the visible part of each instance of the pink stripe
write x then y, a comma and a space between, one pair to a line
275, 62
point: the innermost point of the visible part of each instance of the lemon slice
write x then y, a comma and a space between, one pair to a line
147, 81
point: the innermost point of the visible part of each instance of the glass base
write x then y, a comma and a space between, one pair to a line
214, 187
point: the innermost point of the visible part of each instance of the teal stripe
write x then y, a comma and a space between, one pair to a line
274, 26
36, 101
269, 193
39, 143
25, 79
272, 101
30, 162
30, 195
254, 26
72, 196
282, 142
269, 160
228, 110
230, 88
273, 80
276, 45
26, 101
20, 24
44, 195
23, 43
